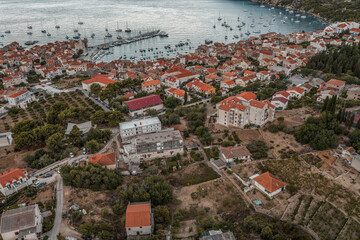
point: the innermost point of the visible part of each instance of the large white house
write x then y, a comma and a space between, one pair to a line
13, 180
139, 126
139, 219
102, 80
21, 223
21, 99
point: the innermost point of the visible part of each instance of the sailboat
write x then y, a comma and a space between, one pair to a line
42, 28
118, 29
128, 30
80, 22
29, 26
56, 25
219, 18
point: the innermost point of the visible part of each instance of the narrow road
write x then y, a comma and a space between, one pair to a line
59, 209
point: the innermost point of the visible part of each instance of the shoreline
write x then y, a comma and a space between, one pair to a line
295, 9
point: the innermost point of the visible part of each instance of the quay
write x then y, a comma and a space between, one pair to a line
98, 51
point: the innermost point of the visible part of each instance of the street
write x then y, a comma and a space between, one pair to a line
59, 209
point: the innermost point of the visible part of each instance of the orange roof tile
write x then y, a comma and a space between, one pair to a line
138, 215
269, 182
104, 159
150, 83
10, 176
247, 96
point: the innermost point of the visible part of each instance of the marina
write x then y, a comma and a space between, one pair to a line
184, 24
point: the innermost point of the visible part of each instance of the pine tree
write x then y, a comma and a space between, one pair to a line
351, 121
325, 104
339, 115
358, 124
332, 106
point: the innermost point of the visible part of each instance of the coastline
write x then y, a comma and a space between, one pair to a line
293, 8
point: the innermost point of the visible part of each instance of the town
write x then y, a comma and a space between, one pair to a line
258, 139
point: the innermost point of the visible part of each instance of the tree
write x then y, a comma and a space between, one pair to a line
92, 146
151, 112
266, 233
95, 89
75, 136
250, 224
105, 235
98, 117
76, 216
55, 142
162, 215
24, 140
87, 229
172, 102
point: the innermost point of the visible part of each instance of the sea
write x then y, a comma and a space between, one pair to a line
188, 22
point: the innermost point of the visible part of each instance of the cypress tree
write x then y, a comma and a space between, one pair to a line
351, 120
358, 124
326, 101
338, 116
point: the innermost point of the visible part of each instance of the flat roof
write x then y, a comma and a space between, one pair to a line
163, 136
18, 219
139, 122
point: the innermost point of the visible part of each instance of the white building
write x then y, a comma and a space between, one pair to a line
230, 154
13, 180
21, 223
20, 99
139, 126
268, 184
139, 219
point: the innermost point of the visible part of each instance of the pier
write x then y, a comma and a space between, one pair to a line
98, 51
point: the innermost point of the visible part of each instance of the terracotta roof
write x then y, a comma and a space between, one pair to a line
235, 152
10, 176
138, 215
143, 102
104, 159
247, 96
258, 104
229, 106
296, 89
151, 82
18, 93
336, 82
280, 99
269, 182
100, 79
176, 91
283, 93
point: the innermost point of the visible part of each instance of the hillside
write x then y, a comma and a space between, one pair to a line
332, 10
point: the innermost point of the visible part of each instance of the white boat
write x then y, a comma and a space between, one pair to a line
49, 34
163, 34
303, 16
29, 33
118, 29
108, 35
7, 31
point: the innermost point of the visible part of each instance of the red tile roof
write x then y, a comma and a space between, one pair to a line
18, 93
269, 182
100, 79
336, 82
247, 96
10, 176
143, 102
138, 215
104, 159
151, 82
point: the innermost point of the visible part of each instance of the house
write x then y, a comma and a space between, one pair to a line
21, 99
212, 78
268, 184
21, 223
139, 126
280, 103
351, 157
181, 74
165, 143
100, 79
150, 86
340, 85
13, 180
227, 84
217, 235
139, 219
177, 93
106, 160
353, 92
296, 92
83, 127
139, 106
201, 87
230, 154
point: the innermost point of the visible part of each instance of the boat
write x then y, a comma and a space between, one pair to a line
29, 33
76, 37
128, 30
226, 37
214, 26
296, 21
92, 35
208, 42
75, 30
28, 43
7, 31
236, 36
163, 34
66, 36
303, 16
252, 25
118, 29
108, 35
43, 31
2, 35
257, 31
248, 33
49, 34
80, 22
119, 37
57, 26
29, 26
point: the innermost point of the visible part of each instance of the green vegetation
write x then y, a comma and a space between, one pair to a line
258, 149
155, 189
321, 133
342, 61
92, 177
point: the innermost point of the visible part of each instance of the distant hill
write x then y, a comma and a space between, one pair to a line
332, 10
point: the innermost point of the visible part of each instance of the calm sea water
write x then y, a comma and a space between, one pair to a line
184, 20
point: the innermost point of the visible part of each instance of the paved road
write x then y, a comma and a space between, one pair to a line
59, 209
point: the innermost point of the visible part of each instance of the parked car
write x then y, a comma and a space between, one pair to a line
47, 175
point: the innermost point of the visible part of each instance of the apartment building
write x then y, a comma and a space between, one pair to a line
138, 127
